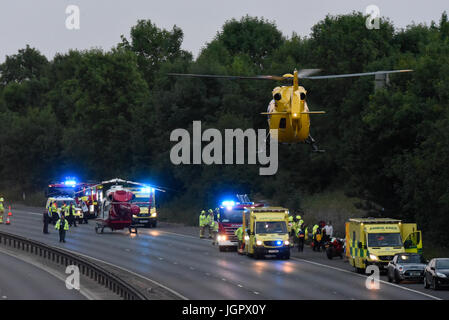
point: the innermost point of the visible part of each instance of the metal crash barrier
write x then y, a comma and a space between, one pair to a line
86, 268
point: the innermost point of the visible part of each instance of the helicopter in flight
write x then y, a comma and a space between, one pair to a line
288, 111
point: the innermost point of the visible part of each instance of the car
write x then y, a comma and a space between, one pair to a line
406, 266
436, 273
59, 202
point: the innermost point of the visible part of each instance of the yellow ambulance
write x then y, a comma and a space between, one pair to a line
375, 241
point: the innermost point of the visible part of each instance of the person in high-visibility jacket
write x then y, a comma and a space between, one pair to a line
62, 225
203, 223
217, 214
215, 231
316, 237
2, 209
300, 235
210, 222
290, 225
54, 213
239, 234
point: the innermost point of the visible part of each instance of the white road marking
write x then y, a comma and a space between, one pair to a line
360, 275
239, 285
255, 292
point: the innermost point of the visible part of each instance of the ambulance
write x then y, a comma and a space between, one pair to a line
265, 232
375, 241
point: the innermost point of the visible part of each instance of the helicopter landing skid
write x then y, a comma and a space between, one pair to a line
313, 144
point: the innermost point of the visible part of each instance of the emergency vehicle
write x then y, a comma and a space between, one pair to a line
375, 241
146, 200
61, 192
59, 202
265, 232
230, 218
88, 196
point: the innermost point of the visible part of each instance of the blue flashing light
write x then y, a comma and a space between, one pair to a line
71, 183
278, 243
228, 204
147, 190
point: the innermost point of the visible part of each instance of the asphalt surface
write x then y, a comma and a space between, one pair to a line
175, 257
21, 280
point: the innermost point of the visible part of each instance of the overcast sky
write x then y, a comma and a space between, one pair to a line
42, 23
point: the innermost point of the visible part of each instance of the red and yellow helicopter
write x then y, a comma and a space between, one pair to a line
288, 111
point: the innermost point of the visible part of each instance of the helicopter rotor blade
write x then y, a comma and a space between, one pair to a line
356, 74
228, 77
307, 72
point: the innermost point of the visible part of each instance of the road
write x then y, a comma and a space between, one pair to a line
21, 280
195, 269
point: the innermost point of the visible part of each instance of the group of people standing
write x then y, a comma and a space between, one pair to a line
210, 223
322, 233
299, 232
66, 218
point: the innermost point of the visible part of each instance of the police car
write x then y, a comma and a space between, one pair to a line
59, 203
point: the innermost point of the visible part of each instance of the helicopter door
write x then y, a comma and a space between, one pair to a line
282, 123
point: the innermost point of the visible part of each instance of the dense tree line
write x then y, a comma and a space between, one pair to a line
101, 114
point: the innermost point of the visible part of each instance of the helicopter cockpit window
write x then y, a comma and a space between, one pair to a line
302, 96
282, 123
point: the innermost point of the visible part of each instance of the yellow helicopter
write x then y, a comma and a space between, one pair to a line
288, 111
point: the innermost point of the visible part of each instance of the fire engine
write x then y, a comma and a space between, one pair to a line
87, 197
230, 219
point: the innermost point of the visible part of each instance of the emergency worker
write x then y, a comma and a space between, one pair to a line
203, 223
314, 236
210, 222
301, 235
54, 212
217, 213
46, 219
239, 234
62, 225
215, 231
2, 209
72, 219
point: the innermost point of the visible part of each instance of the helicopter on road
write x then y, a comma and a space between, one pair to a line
288, 111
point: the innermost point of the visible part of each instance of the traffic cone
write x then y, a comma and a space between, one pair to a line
9, 213
7, 220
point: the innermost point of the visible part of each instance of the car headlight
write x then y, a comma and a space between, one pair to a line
259, 242
441, 275
134, 216
287, 242
153, 214
221, 238
373, 257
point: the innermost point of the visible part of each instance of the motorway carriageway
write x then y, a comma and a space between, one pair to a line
193, 268
20, 279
